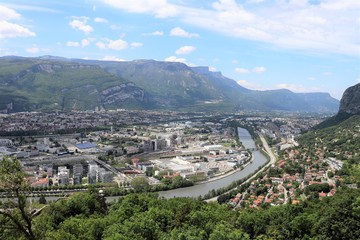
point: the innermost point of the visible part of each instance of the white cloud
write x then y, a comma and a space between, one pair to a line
242, 70
341, 5
357, 80
111, 58
179, 32
259, 69
72, 44
250, 85
80, 23
185, 50
290, 24
136, 44
327, 73
254, 70
299, 88
118, 44
296, 25
213, 69
32, 8
85, 42
11, 30
8, 13
33, 50
292, 87
255, 1
101, 45
155, 33
115, 27
158, 8
311, 78
175, 59
100, 20
113, 44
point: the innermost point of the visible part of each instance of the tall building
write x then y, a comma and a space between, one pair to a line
63, 175
93, 169
78, 170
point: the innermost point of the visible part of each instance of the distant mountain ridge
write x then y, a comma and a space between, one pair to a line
56, 83
224, 91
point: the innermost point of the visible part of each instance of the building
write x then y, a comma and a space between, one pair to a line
44, 182
78, 169
63, 175
214, 147
91, 176
105, 176
6, 142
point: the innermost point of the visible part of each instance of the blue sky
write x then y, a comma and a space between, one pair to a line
301, 45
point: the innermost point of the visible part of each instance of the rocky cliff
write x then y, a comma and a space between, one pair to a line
350, 101
349, 106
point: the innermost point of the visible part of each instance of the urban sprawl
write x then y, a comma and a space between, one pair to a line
114, 148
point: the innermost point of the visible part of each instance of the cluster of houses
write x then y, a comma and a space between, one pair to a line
285, 187
54, 121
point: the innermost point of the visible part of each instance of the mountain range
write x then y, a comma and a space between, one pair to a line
53, 83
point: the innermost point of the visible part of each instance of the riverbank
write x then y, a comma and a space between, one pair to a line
201, 189
216, 178
272, 160
218, 183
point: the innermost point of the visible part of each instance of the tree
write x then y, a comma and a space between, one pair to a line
15, 210
140, 184
42, 199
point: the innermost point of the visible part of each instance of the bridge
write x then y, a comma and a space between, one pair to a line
112, 169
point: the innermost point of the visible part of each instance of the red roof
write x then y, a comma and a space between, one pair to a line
43, 181
322, 194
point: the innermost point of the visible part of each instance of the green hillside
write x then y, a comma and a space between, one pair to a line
35, 84
342, 142
54, 83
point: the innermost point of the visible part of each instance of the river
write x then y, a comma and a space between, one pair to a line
200, 190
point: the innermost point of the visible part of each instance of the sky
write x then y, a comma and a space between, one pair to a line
300, 45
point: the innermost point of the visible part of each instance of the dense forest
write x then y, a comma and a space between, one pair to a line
145, 216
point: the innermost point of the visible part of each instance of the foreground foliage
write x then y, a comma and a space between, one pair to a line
15, 215
145, 216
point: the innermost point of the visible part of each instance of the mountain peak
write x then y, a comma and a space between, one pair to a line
350, 101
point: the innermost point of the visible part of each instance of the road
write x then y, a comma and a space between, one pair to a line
268, 151
113, 170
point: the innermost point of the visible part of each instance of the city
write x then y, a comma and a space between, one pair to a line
193, 147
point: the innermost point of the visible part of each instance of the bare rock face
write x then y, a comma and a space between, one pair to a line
350, 101
122, 93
